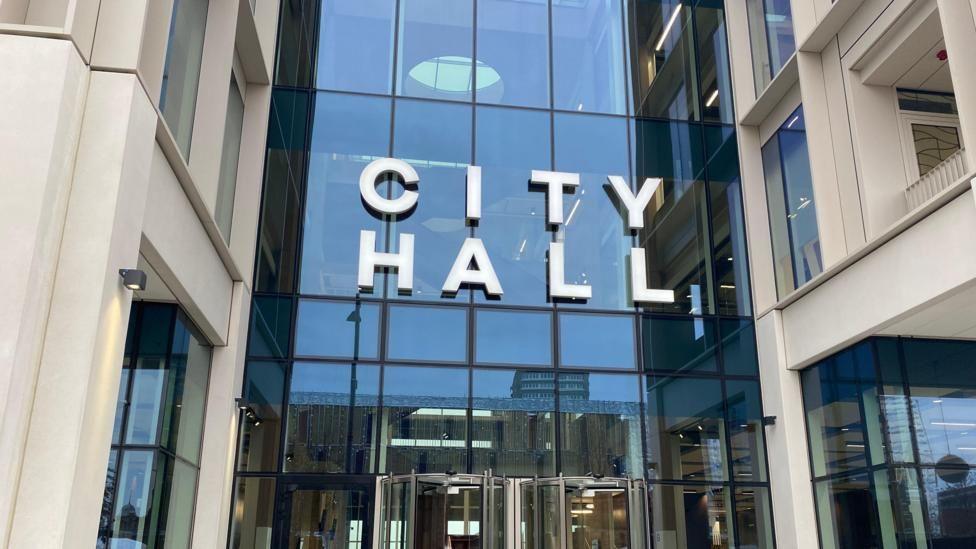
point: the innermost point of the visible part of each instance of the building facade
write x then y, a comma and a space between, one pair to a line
487, 273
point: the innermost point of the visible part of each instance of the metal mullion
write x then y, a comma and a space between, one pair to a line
285, 404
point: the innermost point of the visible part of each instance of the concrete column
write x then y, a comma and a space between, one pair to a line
786, 445
42, 115
959, 31
216, 479
63, 474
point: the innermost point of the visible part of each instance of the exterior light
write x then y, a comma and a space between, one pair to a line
133, 279
769, 420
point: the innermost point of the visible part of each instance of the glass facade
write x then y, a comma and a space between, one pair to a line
792, 210
892, 432
150, 486
772, 38
345, 384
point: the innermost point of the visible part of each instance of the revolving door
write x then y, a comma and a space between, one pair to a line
583, 513
443, 511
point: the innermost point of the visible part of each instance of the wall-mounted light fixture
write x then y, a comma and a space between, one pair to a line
769, 420
133, 279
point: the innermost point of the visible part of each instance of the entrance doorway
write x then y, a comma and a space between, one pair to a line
316, 514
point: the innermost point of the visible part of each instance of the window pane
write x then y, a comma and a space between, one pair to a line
186, 398
181, 71
270, 327
133, 504
253, 513
713, 59
514, 433
840, 397
668, 83
679, 344
120, 403
596, 341
588, 56
900, 509
847, 513
427, 333
510, 337
600, 422
229, 157
343, 329
332, 418
264, 393
177, 488
922, 101
145, 406
739, 356
771, 36
434, 50
513, 44
754, 518
348, 132
697, 514
425, 420
743, 402
943, 399
685, 429
356, 45
510, 144
597, 244
675, 234
283, 183
731, 263
950, 510
296, 43
434, 138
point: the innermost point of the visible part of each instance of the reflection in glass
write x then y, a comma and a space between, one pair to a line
588, 57
270, 333
675, 234
332, 418
434, 138
283, 182
949, 496
425, 420
132, 504
177, 490
847, 514
713, 59
188, 375
679, 344
434, 49
327, 518
338, 329
253, 513
181, 70
666, 77
600, 424
264, 393
771, 35
355, 46
513, 429
841, 401
698, 515
597, 244
745, 430
513, 337
348, 132
427, 333
108, 500
598, 520
296, 43
509, 144
120, 403
685, 427
596, 341
792, 212
145, 406
513, 40
900, 508
739, 355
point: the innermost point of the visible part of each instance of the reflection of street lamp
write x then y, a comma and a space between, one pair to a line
356, 318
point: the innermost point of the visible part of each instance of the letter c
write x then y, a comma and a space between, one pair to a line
381, 166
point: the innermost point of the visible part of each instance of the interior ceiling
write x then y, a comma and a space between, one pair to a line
950, 318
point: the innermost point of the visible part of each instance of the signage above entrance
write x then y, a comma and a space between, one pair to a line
472, 265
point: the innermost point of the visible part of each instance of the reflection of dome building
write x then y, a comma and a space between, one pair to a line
572, 386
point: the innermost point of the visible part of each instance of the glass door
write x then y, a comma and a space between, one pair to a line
316, 514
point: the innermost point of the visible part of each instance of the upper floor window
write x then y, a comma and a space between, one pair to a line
230, 156
792, 212
931, 135
181, 72
771, 34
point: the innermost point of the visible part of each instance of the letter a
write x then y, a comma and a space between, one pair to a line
484, 275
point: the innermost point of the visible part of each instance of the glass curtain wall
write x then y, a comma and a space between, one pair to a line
150, 486
347, 383
772, 38
892, 432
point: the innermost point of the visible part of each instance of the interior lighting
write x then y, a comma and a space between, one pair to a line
712, 98
667, 28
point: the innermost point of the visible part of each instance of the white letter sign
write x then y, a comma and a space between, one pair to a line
555, 183
557, 276
472, 207
380, 204
638, 281
473, 249
635, 204
369, 259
